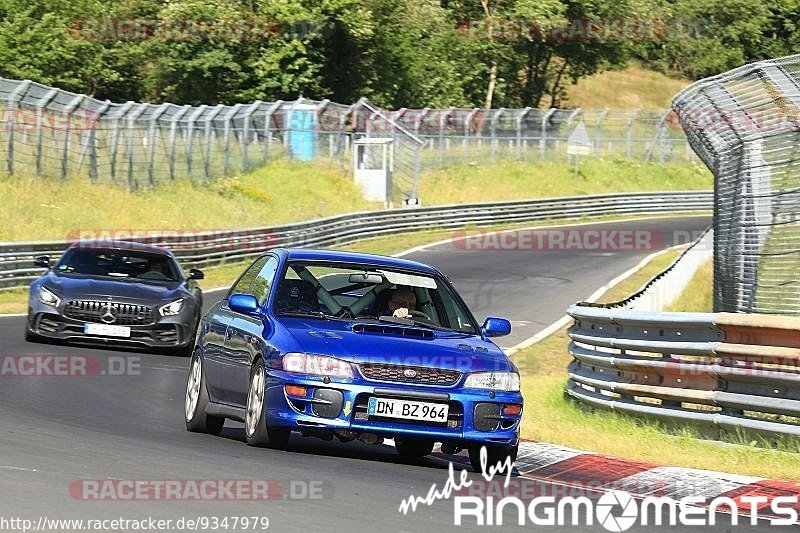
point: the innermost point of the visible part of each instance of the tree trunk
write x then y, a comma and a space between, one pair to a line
493, 61
492, 84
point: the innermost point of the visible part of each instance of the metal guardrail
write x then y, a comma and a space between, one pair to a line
209, 248
732, 371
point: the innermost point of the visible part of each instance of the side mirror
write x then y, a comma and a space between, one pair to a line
42, 261
245, 304
496, 327
196, 273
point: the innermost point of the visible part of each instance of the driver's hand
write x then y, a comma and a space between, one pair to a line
401, 312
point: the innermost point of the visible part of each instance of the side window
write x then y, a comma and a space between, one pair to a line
264, 280
245, 283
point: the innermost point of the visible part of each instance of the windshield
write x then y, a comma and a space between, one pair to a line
363, 292
121, 264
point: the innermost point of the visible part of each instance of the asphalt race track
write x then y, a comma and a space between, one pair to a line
57, 431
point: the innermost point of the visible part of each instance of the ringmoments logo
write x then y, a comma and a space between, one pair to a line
618, 511
544, 504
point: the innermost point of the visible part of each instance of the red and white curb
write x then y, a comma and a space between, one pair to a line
594, 472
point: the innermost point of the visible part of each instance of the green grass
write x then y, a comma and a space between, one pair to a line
47, 208
637, 280
551, 417
699, 293
629, 88
512, 180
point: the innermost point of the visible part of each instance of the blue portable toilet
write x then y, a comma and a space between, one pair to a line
303, 131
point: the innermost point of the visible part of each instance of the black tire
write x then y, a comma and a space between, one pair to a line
494, 454
197, 420
255, 426
413, 448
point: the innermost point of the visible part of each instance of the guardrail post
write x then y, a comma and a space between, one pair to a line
597, 123
11, 107
520, 121
140, 108
343, 138
570, 118
40, 105
543, 137
190, 137
468, 125
152, 139
71, 107
268, 127
493, 142
443, 116
173, 125
246, 133
115, 136
320, 111
208, 123
629, 133
420, 118
228, 119
91, 142
650, 149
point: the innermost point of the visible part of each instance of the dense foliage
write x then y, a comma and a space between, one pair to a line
411, 53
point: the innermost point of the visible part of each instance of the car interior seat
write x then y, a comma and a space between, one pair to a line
296, 295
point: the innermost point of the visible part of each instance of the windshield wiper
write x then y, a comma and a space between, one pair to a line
311, 314
411, 322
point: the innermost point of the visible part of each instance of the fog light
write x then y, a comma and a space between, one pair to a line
296, 390
512, 409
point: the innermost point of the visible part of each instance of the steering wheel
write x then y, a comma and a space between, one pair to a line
419, 314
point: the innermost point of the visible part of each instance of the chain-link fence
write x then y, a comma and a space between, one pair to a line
745, 125
50, 132
468, 135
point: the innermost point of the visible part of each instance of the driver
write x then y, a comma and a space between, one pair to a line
402, 302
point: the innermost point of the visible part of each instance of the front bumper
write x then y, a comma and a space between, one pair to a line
166, 332
467, 422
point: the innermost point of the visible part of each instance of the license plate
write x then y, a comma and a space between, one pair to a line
107, 330
408, 409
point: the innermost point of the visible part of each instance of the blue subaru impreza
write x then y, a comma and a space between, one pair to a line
353, 346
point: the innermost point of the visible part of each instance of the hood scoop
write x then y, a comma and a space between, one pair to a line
398, 331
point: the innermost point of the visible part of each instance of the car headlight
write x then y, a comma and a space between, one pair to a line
503, 381
318, 365
48, 297
172, 308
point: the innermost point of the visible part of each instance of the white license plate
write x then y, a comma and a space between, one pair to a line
107, 330
408, 409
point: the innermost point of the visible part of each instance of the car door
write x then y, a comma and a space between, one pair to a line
245, 335
216, 332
